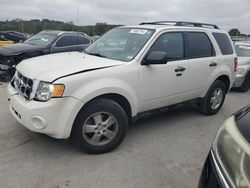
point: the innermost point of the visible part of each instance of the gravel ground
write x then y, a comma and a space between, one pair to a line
166, 150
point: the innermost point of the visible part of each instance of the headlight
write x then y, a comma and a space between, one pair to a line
46, 91
241, 71
233, 154
4, 67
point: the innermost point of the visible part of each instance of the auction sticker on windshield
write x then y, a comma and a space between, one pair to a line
138, 31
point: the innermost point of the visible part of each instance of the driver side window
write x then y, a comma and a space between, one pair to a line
172, 44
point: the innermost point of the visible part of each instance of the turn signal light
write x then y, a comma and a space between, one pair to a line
58, 90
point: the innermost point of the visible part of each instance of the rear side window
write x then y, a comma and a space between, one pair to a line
82, 40
65, 41
72, 40
224, 43
199, 45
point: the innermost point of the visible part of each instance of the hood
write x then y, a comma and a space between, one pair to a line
16, 49
53, 66
244, 60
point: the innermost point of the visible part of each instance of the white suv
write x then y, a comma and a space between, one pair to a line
129, 72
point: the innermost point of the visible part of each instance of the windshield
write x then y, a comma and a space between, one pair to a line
242, 50
120, 44
41, 39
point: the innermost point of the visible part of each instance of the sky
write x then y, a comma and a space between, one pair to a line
226, 14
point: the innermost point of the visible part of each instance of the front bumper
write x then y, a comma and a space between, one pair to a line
212, 176
54, 117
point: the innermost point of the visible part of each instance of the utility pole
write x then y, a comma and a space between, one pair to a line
77, 17
237, 33
22, 26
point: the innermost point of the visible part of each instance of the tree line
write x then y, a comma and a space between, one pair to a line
236, 32
34, 26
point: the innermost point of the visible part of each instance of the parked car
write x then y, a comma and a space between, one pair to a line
14, 36
94, 96
45, 42
228, 162
242, 81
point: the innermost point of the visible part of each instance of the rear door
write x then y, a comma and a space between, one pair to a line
202, 59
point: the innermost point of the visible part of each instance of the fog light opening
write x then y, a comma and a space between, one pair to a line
39, 122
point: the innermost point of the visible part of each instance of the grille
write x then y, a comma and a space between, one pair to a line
2, 59
23, 84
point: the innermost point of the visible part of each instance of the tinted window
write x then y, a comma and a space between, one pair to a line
172, 44
82, 40
224, 43
71, 40
65, 41
199, 45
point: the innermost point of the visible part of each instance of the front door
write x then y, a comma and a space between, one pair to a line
165, 84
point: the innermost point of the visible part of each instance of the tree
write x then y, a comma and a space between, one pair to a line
36, 25
234, 32
100, 28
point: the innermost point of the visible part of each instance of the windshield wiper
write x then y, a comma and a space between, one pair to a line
95, 54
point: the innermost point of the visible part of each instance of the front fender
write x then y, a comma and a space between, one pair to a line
92, 89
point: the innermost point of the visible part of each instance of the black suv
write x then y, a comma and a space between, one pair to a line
45, 42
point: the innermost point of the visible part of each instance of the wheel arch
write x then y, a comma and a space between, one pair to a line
119, 99
226, 80
224, 77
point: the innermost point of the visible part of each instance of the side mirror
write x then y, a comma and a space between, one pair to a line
155, 57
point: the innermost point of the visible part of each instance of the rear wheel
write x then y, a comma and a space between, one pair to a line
100, 126
214, 98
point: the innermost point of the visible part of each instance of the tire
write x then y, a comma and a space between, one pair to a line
245, 85
208, 107
100, 126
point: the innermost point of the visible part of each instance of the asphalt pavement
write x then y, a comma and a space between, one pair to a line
163, 151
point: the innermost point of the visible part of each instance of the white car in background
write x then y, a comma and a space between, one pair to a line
242, 81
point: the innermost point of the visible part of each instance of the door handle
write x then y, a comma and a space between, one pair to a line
180, 69
213, 64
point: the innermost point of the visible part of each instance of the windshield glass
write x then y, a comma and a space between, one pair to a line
242, 50
121, 43
41, 39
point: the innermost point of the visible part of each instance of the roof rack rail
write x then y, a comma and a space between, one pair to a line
182, 23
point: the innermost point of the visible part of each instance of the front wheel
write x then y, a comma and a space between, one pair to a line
214, 98
100, 126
